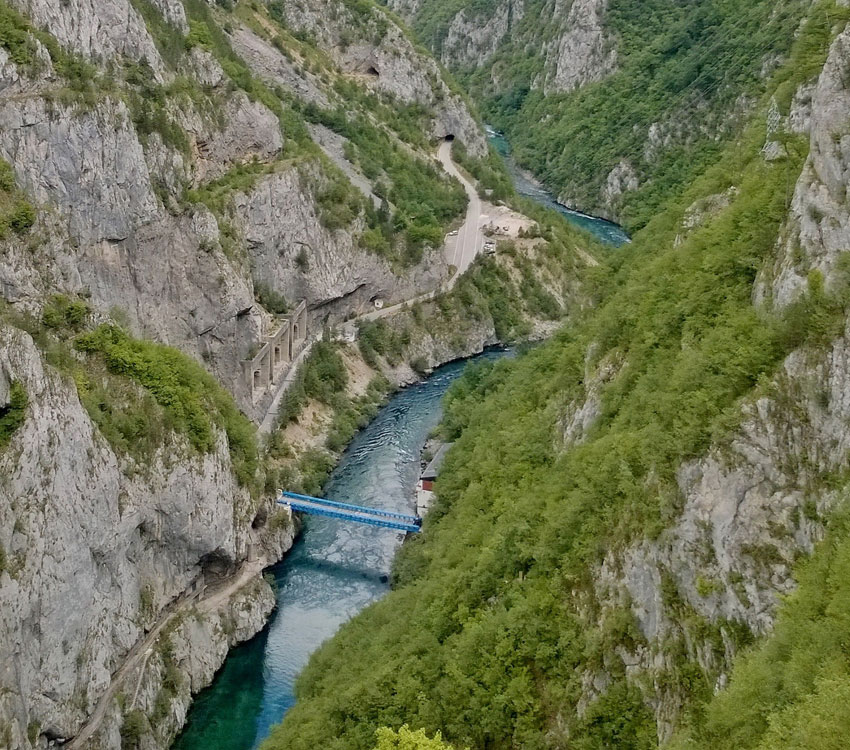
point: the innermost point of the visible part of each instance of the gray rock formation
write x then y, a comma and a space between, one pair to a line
275, 69
818, 231
96, 30
173, 12
471, 40
282, 226
584, 52
386, 61
95, 551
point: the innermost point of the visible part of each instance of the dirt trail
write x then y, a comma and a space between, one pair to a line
139, 652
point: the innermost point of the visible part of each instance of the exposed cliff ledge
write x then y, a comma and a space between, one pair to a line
99, 30
584, 52
92, 552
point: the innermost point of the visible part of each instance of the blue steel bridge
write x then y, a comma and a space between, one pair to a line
318, 506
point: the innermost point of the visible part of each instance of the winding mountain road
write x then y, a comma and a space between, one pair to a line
460, 249
469, 238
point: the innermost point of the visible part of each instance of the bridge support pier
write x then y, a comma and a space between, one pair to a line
276, 354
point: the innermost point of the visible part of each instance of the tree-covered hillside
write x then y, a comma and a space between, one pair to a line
541, 607
685, 79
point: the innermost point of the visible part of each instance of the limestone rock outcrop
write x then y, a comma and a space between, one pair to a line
388, 62
818, 231
93, 553
585, 51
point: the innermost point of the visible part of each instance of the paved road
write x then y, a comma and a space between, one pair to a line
460, 249
469, 238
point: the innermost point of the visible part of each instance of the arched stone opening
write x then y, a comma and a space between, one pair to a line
372, 71
256, 379
449, 137
261, 518
216, 565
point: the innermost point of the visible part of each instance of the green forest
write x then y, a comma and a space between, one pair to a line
681, 67
494, 626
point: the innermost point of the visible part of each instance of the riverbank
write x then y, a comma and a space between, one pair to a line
522, 291
333, 571
528, 186
499, 300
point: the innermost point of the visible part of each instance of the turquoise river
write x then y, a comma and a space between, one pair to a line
528, 187
334, 570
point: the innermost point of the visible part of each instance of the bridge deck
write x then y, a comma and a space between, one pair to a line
348, 512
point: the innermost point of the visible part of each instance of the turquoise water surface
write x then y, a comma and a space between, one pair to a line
606, 231
334, 570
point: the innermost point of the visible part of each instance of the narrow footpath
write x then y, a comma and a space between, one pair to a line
139, 653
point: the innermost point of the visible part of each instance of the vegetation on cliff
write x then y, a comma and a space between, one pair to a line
494, 632
791, 692
12, 413
17, 214
684, 81
193, 400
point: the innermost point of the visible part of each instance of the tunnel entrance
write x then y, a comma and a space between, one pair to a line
449, 137
372, 71
216, 565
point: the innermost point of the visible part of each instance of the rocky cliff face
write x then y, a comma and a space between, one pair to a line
93, 553
170, 172
570, 38
119, 229
279, 221
584, 52
386, 61
471, 40
100, 31
819, 226
753, 505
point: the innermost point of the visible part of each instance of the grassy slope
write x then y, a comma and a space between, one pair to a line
493, 619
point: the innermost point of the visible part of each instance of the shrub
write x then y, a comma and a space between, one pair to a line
22, 217
199, 35
270, 298
66, 314
194, 401
16, 212
13, 413
133, 728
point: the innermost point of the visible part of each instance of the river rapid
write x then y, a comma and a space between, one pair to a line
334, 570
